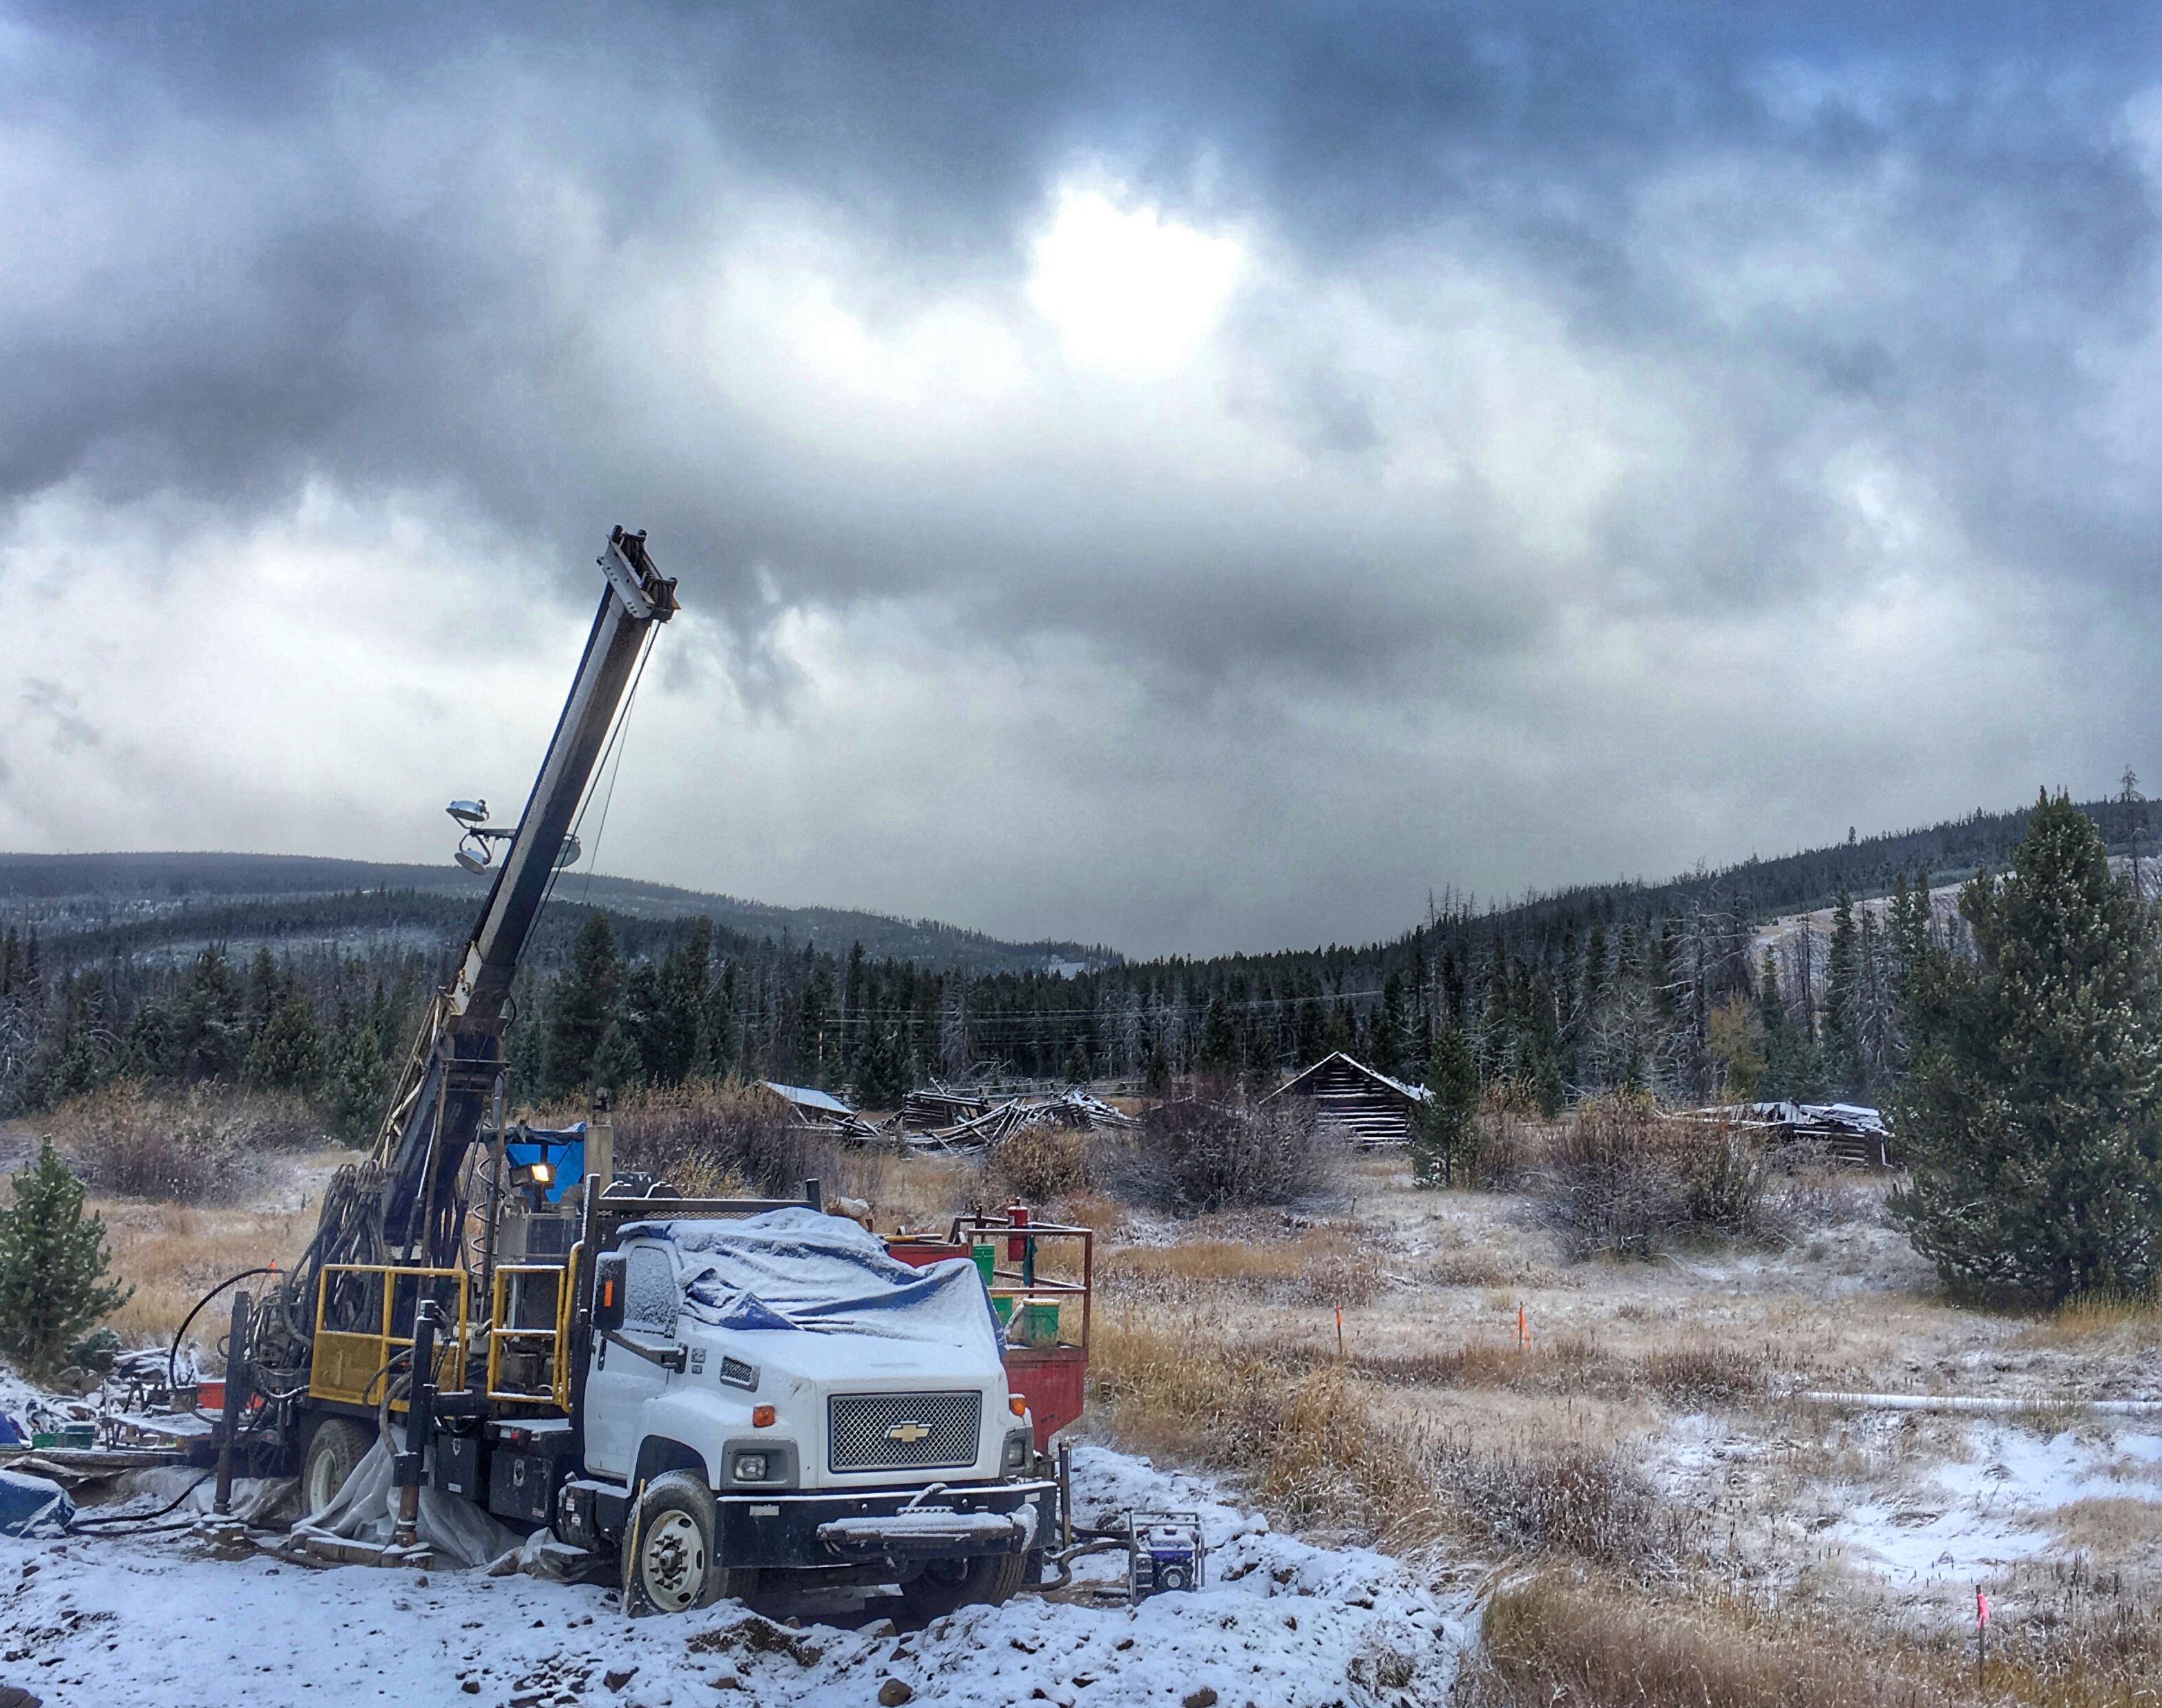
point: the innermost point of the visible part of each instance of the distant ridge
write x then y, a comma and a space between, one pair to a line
96, 903
193, 892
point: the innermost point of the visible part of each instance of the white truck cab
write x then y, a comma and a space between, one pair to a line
777, 1394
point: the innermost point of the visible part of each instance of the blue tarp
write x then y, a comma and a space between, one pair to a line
564, 1146
796, 1269
32, 1506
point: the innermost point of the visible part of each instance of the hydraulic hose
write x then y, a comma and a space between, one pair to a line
144, 1518
172, 1356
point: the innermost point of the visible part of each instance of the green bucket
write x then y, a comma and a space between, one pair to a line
1039, 1325
987, 1258
1003, 1306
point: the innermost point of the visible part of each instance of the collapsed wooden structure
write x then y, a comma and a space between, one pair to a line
806, 1106
937, 1118
1849, 1133
1363, 1105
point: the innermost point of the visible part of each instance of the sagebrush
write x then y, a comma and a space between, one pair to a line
707, 1139
207, 1144
1618, 1177
1216, 1150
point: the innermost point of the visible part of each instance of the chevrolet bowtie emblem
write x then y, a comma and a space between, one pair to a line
910, 1433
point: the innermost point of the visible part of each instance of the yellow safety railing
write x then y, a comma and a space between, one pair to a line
364, 1316
512, 1330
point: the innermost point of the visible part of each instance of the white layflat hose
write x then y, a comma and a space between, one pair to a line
1979, 1403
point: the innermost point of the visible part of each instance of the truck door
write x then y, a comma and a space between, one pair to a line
620, 1382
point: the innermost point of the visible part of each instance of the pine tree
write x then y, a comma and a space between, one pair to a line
583, 1006
357, 1085
1217, 1050
884, 1076
716, 1056
83, 1052
147, 1053
1442, 1129
2033, 1113
1841, 1045
1306, 1047
1790, 1057
671, 1042
616, 1066
208, 1030
53, 1261
287, 1054
1548, 1085
817, 1030
1155, 1078
1385, 1046
264, 990
1078, 1069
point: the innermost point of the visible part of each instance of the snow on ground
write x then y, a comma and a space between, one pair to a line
158, 1621
1973, 1515
1952, 1520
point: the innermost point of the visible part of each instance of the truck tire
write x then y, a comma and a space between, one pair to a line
670, 1566
335, 1447
946, 1586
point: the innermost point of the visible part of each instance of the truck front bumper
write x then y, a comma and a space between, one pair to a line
811, 1530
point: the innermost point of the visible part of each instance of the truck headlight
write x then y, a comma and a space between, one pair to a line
1016, 1454
757, 1462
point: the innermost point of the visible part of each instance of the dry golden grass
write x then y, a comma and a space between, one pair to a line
1038, 1164
174, 1254
1322, 1267
2080, 1324
1322, 1449
2107, 1529
1598, 1642
1096, 1210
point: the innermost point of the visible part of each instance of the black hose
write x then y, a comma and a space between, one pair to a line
146, 1517
173, 1356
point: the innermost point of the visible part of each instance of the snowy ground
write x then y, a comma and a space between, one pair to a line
160, 1620
1973, 1517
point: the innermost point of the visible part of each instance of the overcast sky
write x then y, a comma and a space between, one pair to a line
1192, 484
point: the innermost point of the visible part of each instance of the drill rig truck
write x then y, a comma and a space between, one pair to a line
701, 1397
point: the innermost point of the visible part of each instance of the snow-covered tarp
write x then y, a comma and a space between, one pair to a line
33, 1506
796, 1269
455, 1530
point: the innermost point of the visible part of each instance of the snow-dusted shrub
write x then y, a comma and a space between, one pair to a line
210, 1145
1041, 1162
1202, 1154
703, 1139
1618, 1177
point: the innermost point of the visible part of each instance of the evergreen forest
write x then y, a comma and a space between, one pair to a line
1674, 988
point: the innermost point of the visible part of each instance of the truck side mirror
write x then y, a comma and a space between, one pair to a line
610, 1270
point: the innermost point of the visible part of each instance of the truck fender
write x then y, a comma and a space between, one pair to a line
658, 1454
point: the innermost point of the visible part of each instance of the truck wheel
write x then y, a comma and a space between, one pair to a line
336, 1447
671, 1568
948, 1584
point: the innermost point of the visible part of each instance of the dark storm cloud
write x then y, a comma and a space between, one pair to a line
1570, 351
311, 292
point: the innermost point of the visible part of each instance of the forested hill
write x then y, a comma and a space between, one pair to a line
309, 975
1760, 890
130, 903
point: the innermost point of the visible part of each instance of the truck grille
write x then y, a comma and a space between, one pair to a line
888, 1432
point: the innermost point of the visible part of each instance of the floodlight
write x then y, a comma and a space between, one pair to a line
468, 813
